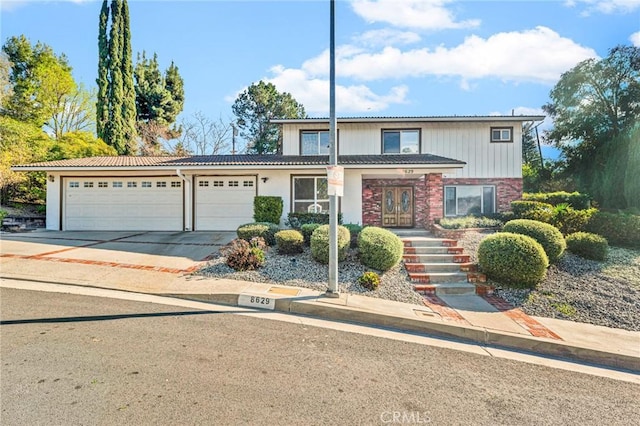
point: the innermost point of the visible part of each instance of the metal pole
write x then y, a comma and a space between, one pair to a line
332, 290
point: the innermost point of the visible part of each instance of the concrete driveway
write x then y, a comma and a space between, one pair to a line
168, 252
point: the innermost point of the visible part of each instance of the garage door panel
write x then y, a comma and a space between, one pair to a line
122, 204
224, 203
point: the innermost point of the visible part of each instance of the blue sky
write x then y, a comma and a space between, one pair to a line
395, 58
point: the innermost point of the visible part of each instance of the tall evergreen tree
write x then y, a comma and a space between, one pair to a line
129, 92
102, 104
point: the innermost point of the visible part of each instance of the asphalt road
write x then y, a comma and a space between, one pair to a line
70, 360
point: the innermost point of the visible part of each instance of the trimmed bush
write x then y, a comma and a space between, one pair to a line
264, 230
243, 255
369, 280
569, 220
618, 228
354, 230
513, 259
379, 248
267, 209
289, 241
470, 222
297, 219
533, 210
307, 230
320, 243
549, 237
576, 200
587, 245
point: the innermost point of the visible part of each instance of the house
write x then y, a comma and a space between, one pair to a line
398, 172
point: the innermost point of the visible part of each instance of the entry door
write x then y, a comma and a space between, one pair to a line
397, 209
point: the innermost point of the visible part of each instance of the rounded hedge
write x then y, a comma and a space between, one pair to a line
587, 245
307, 230
379, 248
513, 259
258, 229
289, 241
549, 237
320, 243
532, 210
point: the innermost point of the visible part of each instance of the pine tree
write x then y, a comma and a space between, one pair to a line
102, 105
128, 89
175, 86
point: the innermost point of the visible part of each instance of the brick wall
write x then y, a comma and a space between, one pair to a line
507, 189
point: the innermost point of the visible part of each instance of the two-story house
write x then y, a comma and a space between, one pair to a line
398, 172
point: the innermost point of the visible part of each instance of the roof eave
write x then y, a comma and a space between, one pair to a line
500, 118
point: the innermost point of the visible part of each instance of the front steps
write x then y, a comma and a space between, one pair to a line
438, 266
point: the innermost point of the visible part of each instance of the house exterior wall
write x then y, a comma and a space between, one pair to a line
507, 189
465, 141
53, 201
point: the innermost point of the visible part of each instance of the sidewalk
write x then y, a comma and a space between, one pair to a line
468, 318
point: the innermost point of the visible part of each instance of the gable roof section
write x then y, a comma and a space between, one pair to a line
416, 119
244, 161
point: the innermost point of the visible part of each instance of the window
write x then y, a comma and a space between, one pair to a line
233, 183
464, 200
203, 183
146, 184
401, 141
502, 134
132, 184
247, 183
74, 184
116, 184
310, 194
314, 142
176, 184
88, 185
161, 184
218, 183
103, 184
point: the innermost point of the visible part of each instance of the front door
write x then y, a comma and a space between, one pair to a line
397, 208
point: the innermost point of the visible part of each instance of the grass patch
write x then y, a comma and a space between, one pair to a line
565, 309
623, 264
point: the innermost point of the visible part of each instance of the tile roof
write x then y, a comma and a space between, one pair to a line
240, 160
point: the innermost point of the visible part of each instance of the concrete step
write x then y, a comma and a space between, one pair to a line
432, 267
451, 289
411, 232
433, 250
428, 242
437, 277
436, 258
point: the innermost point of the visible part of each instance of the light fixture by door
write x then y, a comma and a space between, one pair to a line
265, 179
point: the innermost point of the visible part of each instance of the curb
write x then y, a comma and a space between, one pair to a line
317, 306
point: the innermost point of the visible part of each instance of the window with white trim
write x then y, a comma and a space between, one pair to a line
203, 183
116, 184
401, 141
88, 185
131, 184
103, 184
247, 183
310, 194
314, 142
176, 184
74, 184
502, 134
463, 200
218, 183
161, 184
146, 184
233, 183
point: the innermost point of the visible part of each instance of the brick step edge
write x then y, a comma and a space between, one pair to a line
423, 277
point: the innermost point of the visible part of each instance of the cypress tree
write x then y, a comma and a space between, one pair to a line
115, 132
102, 105
128, 88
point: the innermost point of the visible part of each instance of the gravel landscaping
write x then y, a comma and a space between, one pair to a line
601, 293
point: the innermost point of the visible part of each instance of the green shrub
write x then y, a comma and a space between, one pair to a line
569, 220
533, 210
320, 243
369, 280
549, 237
587, 245
470, 222
267, 209
289, 241
513, 259
576, 200
379, 248
297, 219
3, 214
307, 230
354, 230
618, 228
243, 255
265, 230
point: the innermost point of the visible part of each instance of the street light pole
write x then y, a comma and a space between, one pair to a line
332, 290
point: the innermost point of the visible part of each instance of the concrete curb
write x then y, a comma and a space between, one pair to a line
321, 307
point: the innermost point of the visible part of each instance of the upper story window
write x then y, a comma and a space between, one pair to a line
314, 142
401, 141
502, 134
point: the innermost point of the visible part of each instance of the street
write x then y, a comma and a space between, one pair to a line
70, 359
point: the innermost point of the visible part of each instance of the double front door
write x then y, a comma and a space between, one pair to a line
397, 206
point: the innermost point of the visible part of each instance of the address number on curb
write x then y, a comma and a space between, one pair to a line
259, 302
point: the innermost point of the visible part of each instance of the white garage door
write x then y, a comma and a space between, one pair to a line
123, 204
224, 202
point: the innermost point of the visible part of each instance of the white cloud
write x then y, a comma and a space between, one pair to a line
605, 6
386, 37
422, 14
635, 39
538, 55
